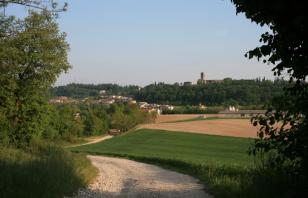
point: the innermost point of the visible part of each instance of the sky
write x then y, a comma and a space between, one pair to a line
144, 41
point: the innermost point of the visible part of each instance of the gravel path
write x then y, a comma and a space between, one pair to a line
96, 140
122, 178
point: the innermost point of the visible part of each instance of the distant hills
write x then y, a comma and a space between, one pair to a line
224, 92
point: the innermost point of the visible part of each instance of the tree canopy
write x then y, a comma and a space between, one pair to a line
283, 132
33, 53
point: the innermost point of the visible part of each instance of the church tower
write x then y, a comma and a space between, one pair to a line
202, 80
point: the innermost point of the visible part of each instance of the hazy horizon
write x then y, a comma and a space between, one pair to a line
142, 42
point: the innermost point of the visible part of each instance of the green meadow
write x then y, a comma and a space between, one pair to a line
187, 147
221, 163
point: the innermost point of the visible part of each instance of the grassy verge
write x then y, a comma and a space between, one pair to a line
202, 118
221, 163
43, 171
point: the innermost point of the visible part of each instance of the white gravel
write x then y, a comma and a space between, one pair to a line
122, 178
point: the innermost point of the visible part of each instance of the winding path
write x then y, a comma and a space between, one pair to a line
122, 178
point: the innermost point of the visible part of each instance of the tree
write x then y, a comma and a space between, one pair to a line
285, 125
33, 53
50, 5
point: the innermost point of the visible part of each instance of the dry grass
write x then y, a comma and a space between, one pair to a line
224, 127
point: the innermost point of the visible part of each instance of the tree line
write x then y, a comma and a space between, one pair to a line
226, 92
80, 91
71, 121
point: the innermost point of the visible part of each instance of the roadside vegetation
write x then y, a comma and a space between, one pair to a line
43, 170
221, 163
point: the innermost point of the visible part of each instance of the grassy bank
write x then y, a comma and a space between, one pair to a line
221, 163
200, 118
43, 171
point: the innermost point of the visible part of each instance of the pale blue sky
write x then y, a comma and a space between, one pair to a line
142, 41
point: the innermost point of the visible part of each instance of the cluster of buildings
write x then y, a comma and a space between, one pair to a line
233, 112
62, 100
111, 99
201, 81
154, 107
106, 99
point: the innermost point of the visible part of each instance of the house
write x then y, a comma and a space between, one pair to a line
62, 100
241, 113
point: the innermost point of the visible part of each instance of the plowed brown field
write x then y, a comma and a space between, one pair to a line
224, 127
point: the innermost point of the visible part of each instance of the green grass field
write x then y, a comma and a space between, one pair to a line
195, 148
221, 163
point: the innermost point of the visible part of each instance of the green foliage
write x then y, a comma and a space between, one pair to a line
95, 119
90, 90
33, 53
227, 92
125, 118
69, 122
193, 110
43, 171
284, 128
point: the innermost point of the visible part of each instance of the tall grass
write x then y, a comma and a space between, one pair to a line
44, 170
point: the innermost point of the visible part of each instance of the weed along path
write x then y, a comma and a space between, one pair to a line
122, 178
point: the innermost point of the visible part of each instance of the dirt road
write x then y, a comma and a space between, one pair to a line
122, 178
94, 140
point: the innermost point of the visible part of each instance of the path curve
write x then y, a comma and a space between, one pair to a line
106, 137
122, 178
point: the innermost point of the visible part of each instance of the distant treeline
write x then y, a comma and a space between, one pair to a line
80, 91
227, 92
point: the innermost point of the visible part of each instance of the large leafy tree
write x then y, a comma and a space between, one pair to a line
33, 53
284, 129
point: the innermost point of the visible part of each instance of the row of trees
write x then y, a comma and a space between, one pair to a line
79, 91
70, 121
227, 92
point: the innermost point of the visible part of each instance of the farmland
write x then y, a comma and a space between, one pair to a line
210, 125
221, 163
187, 147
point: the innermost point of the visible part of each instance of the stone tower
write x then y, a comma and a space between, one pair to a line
202, 80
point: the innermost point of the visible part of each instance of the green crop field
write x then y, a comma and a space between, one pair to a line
196, 148
221, 163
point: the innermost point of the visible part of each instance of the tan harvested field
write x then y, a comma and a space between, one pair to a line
177, 117
224, 127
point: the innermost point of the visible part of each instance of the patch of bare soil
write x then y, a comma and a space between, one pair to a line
224, 127
122, 178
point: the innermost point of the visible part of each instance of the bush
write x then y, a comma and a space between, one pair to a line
44, 170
